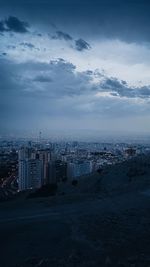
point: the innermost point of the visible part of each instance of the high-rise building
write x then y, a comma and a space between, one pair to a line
60, 170
51, 172
39, 167
30, 170
45, 157
57, 171
23, 181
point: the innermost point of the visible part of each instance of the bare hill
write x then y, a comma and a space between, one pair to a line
133, 174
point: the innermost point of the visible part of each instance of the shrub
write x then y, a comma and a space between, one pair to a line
45, 191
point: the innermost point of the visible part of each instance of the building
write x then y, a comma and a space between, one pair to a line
79, 168
57, 171
60, 170
30, 170
130, 152
39, 167
45, 157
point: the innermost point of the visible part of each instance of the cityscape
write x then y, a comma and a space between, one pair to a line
32, 164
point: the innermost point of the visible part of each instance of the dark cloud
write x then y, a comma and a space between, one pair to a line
4, 54
121, 89
126, 20
28, 45
113, 84
81, 45
59, 78
42, 79
16, 25
144, 92
62, 36
39, 94
2, 28
39, 34
11, 47
13, 24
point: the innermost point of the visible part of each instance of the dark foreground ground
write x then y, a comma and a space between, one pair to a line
77, 231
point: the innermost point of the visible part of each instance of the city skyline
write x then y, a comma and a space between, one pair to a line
68, 67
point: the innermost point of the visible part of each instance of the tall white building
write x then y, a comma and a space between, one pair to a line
30, 170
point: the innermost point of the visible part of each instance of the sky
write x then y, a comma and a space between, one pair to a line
72, 67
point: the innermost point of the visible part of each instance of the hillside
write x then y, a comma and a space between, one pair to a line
133, 174
102, 221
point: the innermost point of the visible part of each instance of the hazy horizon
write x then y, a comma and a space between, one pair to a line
80, 136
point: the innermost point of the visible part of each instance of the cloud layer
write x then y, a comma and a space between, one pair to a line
79, 45
43, 95
74, 64
13, 24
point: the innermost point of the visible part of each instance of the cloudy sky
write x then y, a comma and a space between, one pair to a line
74, 66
